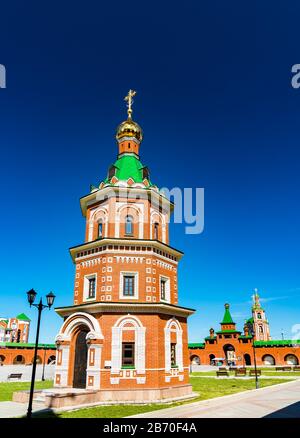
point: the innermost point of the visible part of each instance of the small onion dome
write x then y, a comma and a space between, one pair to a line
129, 128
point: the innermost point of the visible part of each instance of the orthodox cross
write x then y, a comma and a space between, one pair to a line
129, 101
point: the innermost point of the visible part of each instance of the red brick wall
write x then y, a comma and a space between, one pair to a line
108, 275
10, 353
278, 353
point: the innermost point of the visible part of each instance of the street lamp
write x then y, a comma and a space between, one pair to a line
252, 332
31, 295
44, 362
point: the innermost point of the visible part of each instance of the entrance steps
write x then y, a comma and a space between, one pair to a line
39, 398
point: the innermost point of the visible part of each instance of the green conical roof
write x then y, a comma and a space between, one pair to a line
129, 166
23, 317
227, 319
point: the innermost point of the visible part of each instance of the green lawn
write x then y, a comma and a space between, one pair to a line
7, 388
206, 388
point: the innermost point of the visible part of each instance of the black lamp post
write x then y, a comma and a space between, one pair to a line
50, 300
252, 332
44, 360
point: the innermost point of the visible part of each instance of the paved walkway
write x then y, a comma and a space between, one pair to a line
279, 401
9, 409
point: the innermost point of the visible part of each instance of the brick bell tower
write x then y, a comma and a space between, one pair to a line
260, 322
125, 336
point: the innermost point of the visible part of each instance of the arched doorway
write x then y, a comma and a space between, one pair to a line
195, 360
230, 356
291, 359
268, 359
80, 360
247, 359
2, 359
38, 360
211, 357
51, 360
19, 360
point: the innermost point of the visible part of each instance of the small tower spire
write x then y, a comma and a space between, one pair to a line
129, 133
129, 100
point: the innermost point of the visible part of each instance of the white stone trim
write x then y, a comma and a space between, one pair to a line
86, 279
136, 285
116, 352
79, 318
129, 259
173, 325
139, 208
140, 344
96, 257
62, 369
94, 212
168, 289
94, 370
162, 223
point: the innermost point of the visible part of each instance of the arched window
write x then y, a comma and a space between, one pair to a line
291, 359
156, 225
173, 345
100, 228
211, 359
51, 360
129, 225
247, 359
19, 360
128, 352
268, 359
195, 360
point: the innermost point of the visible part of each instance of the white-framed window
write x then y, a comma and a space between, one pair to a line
128, 354
173, 350
156, 225
164, 288
129, 285
89, 287
129, 225
100, 228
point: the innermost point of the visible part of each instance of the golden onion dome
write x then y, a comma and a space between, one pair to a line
129, 128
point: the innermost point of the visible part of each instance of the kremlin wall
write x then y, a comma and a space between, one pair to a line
229, 346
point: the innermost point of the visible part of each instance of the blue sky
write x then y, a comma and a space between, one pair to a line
218, 111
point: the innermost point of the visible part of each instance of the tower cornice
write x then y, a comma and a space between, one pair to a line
117, 307
125, 242
108, 192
